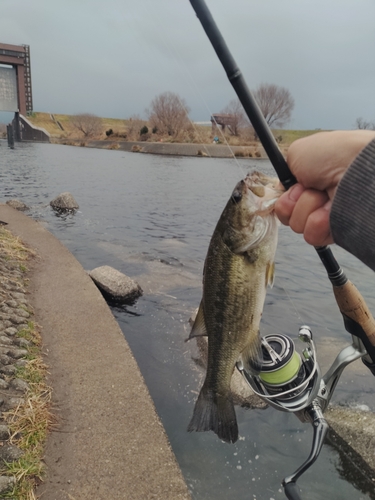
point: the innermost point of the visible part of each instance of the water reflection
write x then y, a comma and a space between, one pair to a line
151, 218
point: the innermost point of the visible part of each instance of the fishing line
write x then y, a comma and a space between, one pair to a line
175, 55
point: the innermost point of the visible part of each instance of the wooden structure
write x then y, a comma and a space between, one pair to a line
224, 120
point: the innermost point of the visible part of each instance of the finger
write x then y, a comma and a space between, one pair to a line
285, 204
317, 229
309, 201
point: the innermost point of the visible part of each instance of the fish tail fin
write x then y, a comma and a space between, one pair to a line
214, 412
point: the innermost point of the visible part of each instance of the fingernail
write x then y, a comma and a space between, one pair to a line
327, 206
295, 192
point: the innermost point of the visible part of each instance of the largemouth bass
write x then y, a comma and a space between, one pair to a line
238, 267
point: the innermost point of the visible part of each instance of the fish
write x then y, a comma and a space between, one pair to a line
238, 268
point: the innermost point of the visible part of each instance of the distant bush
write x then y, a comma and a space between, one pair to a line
239, 154
144, 130
145, 137
108, 132
90, 125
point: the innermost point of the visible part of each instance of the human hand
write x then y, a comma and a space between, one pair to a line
318, 162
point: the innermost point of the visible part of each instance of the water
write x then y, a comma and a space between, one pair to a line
151, 217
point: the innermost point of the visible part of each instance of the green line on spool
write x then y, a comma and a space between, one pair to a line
283, 374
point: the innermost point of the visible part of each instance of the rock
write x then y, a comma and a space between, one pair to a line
21, 342
17, 204
64, 202
3, 384
5, 340
5, 360
17, 353
8, 369
17, 320
19, 385
117, 285
11, 331
10, 453
6, 483
4, 434
22, 313
14, 402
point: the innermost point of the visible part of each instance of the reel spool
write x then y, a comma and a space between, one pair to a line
282, 368
287, 381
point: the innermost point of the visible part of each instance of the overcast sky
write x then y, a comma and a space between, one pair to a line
112, 57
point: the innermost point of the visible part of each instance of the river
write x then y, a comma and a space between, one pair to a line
151, 217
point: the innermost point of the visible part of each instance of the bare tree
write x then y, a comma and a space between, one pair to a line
168, 114
89, 125
276, 103
364, 124
235, 117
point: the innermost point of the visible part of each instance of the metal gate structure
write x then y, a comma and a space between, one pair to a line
15, 79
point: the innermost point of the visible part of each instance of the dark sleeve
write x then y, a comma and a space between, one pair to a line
353, 210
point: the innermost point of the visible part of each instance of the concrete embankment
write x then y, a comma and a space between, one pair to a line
109, 442
179, 149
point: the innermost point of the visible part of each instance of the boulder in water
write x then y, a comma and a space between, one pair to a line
64, 202
115, 284
18, 205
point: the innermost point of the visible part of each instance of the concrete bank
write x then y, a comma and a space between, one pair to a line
110, 443
183, 149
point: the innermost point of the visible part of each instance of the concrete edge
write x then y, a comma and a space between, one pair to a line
110, 442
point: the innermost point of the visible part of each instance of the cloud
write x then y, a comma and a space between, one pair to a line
111, 58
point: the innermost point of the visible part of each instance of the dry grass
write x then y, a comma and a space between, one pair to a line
12, 248
30, 421
128, 129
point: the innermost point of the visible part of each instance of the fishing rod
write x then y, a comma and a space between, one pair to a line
357, 317
310, 397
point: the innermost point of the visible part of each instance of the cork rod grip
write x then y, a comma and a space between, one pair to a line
352, 304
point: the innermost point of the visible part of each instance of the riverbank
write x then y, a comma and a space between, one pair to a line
178, 149
109, 441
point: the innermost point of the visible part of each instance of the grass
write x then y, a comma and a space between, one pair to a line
125, 129
31, 420
45, 121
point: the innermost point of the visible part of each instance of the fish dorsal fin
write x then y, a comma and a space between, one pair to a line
199, 325
270, 274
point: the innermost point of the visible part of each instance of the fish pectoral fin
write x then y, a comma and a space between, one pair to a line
252, 357
199, 325
270, 274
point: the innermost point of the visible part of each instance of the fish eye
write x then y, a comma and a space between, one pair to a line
236, 196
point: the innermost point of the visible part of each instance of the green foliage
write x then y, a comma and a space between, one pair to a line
144, 130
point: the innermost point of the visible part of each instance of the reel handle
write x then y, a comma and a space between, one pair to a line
292, 491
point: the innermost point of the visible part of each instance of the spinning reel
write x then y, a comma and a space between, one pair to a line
288, 381
292, 382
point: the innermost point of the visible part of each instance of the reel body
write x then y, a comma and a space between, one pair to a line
288, 381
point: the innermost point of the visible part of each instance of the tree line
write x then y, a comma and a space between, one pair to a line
168, 115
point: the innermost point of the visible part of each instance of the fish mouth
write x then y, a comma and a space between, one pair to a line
269, 189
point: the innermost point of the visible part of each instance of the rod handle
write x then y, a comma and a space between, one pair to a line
353, 306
